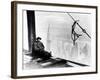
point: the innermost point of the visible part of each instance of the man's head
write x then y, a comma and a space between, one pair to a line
38, 38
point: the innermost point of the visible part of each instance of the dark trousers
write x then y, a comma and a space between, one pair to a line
41, 54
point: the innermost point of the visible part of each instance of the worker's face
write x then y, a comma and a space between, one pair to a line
38, 39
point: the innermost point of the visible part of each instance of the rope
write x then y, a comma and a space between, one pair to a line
74, 35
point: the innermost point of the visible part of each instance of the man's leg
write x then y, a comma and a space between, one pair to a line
45, 55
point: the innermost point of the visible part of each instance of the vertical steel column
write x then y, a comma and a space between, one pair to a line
31, 27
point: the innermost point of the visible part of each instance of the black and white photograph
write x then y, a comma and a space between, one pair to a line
55, 39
